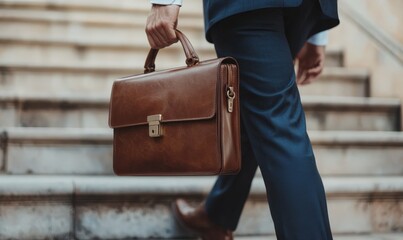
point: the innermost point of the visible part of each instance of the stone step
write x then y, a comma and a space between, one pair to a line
134, 16
125, 30
323, 113
44, 54
335, 81
352, 113
121, 6
139, 207
99, 13
72, 53
89, 151
55, 79
127, 26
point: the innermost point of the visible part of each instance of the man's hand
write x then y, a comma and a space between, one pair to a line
311, 60
161, 25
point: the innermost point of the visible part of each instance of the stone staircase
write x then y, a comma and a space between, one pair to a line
58, 60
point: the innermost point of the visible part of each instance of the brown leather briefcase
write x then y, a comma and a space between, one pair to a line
182, 121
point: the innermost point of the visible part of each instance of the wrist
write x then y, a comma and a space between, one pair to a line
166, 2
165, 7
316, 50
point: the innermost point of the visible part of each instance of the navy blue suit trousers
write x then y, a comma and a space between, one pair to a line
273, 128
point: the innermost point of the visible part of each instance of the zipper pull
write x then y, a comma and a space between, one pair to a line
230, 98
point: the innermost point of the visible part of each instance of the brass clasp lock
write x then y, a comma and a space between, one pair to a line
230, 99
154, 125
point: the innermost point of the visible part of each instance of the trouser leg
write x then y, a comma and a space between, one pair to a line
274, 125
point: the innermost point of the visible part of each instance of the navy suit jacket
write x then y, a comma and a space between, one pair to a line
216, 10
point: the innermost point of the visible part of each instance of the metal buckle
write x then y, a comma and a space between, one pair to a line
154, 125
230, 99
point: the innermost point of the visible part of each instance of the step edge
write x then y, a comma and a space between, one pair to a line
103, 100
86, 186
123, 6
132, 45
89, 18
22, 134
203, 48
350, 102
350, 74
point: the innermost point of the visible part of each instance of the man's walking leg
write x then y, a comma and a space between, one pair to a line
274, 122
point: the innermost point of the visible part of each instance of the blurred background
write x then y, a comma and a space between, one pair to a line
58, 60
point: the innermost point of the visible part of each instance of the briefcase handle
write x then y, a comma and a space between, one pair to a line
191, 56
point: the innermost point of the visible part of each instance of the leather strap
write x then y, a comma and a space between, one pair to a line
191, 56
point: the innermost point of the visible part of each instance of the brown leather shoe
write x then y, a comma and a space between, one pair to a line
196, 219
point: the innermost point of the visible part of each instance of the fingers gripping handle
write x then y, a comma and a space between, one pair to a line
191, 56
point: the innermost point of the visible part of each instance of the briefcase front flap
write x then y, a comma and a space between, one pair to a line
181, 94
